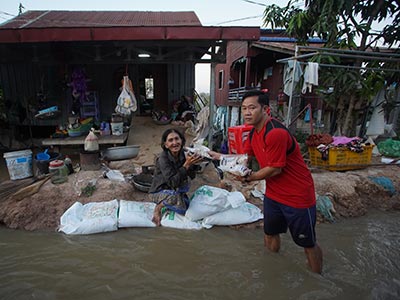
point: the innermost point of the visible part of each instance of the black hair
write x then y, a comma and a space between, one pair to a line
262, 98
167, 132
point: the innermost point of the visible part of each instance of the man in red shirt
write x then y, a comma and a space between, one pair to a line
289, 200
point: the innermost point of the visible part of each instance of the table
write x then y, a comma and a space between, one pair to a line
80, 140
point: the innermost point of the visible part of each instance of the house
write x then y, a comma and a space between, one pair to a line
52, 58
254, 65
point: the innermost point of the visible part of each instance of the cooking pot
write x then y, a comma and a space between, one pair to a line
142, 181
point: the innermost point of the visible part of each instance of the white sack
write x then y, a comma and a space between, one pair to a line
91, 142
174, 220
246, 213
208, 200
135, 214
90, 218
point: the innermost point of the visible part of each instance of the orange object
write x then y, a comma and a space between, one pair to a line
237, 135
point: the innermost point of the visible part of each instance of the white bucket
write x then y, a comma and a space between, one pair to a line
19, 164
117, 128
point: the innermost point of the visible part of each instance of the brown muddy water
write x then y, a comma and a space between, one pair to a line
361, 262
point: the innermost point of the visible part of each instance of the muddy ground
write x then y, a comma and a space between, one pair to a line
352, 193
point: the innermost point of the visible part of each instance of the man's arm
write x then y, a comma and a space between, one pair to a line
262, 174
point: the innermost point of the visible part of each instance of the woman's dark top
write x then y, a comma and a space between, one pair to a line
169, 173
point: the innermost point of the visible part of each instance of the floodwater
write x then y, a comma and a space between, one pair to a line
361, 262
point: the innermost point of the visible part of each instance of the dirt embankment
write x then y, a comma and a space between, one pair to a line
352, 193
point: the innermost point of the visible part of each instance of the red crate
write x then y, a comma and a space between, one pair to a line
237, 135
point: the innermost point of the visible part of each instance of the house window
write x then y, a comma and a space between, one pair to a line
149, 85
221, 79
242, 75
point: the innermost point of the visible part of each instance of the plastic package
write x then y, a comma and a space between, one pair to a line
235, 164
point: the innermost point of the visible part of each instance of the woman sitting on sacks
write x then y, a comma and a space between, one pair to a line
171, 176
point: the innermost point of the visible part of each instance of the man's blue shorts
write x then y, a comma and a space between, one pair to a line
300, 221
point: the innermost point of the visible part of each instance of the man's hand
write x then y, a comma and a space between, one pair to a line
215, 155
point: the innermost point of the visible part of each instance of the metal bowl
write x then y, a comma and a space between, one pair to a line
141, 187
142, 182
121, 153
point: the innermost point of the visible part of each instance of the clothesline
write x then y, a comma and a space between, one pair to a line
352, 67
296, 60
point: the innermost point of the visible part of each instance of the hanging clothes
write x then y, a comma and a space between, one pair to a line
310, 77
291, 72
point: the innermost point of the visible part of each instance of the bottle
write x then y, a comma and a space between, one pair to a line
68, 163
58, 171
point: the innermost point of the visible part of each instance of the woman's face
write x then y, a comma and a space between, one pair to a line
173, 143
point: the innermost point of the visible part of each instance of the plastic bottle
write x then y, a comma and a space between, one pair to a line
68, 163
58, 171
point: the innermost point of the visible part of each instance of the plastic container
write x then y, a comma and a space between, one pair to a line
68, 163
341, 159
19, 164
42, 166
105, 128
237, 135
117, 128
43, 155
116, 118
58, 171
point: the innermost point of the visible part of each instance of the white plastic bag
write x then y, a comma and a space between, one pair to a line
115, 175
235, 164
199, 150
91, 142
90, 218
126, 102
174, 220
135, 214
246, 213
208, 200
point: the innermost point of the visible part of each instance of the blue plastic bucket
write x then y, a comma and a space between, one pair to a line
42, 156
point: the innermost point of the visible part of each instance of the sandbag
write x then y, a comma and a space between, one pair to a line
175, 220
208, 200
245, 213
90, 218
135, 214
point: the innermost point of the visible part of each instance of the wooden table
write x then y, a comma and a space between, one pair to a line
80, 140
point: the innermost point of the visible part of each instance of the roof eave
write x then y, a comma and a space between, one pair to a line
36, 35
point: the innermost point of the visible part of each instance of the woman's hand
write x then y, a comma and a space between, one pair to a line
192, 159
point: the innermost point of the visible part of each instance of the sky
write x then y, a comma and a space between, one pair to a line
210, 13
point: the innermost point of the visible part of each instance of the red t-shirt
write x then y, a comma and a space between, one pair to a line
293, 187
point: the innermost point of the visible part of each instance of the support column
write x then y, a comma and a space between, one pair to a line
211, 104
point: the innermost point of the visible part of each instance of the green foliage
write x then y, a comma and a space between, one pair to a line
341, 23
337, 21
301, 138
88, 190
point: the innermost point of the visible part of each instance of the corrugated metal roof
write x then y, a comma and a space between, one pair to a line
66, 19
59, 26
283, 47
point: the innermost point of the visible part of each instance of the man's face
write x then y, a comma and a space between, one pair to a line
252, 111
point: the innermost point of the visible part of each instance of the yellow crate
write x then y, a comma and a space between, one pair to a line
341, 159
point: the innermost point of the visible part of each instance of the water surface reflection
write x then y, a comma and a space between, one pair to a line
361, 262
